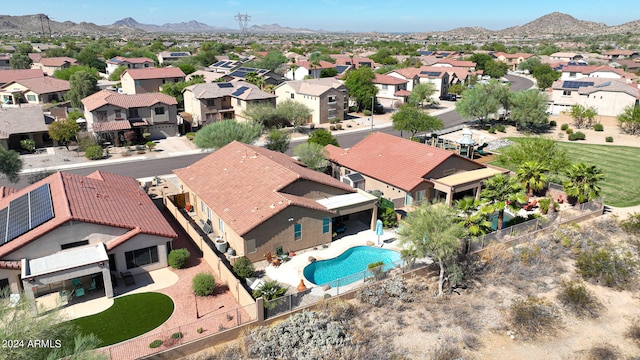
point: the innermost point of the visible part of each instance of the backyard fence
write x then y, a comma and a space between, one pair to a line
516, 234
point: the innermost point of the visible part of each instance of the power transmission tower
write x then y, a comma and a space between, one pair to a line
243, 21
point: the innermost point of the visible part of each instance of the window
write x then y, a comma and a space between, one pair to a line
221, 225
209, 213
238, 102
4, 283
331, 113
112, 262
118, 114
74, 244
566, 92
211, 102
31, 98
408, 200
251, 246
449, 172
326, 225
159, 110
293, 95
133, 113
202, 207
385, 86
572, 74
297, 231
141, 257
137, 82
421, 195
101, 115
332, 99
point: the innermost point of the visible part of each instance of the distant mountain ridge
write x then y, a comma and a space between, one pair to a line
555, 23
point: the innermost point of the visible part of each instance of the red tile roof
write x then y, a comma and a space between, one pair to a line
457, 63
106, 126
57, 61
590, 69
244, 184
43, 85
126, 101
388, 80
321, 65
402, 93
11, 75
98, 198
393, 160
155, 73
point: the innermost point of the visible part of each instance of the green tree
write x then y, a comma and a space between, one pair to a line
243, 267
472, 216
496, 69
529, 109
421, 92
278, 140
82, 84
545, 76
175, 88
583, 116
115, 75
360, 85
457, 89
480, 59
265, 114
187, 68
328, 72
529, 64
255, 79
410, 118
65, 74
271, 61
629, 120
10, 164
24, 49
64, 131
532, 175
20, 61
432, 231
313, 155
502, 192
477, 103
544, 151
221, 133
269, 290
582, 183
322, 137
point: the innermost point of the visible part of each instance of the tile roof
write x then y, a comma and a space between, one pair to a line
431, 72
393, 160
244, 184
98, 198
315, 87
11, 75
214, 91
610, 85
402, 93
57, 61
388, 80
108, 126
43, 85
23, 120
321, 65
126, 101
457, 63
590, 69
154, 73
135, 60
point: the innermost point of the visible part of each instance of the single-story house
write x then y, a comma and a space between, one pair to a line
27, 122
149, 80
591, 71
39, 90
7, 76
408, 172
259, 201
438, 76
71, 229
326, 97
620, 54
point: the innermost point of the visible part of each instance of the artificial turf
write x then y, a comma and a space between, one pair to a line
128, 317
621, 186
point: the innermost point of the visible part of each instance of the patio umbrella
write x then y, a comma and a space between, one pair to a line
379, 230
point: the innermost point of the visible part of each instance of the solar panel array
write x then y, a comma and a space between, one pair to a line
431, 73
179, 54
239, 91
25, 213
576, 84
225, 85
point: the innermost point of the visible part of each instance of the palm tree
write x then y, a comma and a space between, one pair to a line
472, 216
269, 290
293, 67
583, 182
502, 192
533, 176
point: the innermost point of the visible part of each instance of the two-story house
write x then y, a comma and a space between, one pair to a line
50, 65
307, 69
150, 80
392, 91
206, 103
240, 74
512, 60
438, 76
608, 96
129, 63
326, 97
110, 114
576, 72
170, 56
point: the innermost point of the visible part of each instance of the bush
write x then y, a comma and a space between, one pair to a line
94, 152
553, 123
28, 144
190, 135
580, 135
605, 264
178, 258
150, 145
177, 335
544, 204
243, 267
366, 112
203, 284
332, 127
155, 343
388, 217
569, 131
598, 127
632, 223
602, 351
633, 331
532, 316
338, 126
578, 299
564, 127
491, 130
608, 139
501, 128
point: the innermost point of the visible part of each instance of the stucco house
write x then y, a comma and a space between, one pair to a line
620, 54
259, 201
27, 122
50, 65
575, 72
392, 91
129, 63
512, 60
110, 114
38, 90
438, 76
301, 69
408, 172
7, 76
70, 228
608, 96
326, 97
169, 56
150, 80
206, 103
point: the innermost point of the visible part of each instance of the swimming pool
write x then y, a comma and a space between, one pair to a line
494, 220
353, 261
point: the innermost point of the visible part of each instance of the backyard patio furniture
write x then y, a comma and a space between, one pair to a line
530, 206
93, 285
128, 278
79, 291
76, 283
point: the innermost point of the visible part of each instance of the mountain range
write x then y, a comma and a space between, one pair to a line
551, 24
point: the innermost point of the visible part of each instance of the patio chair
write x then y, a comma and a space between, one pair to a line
76, 283
79, 291
128, 278
93, 285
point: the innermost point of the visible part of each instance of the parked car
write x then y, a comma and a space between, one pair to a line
449, 97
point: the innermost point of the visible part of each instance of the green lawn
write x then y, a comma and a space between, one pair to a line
130, 316
621, 187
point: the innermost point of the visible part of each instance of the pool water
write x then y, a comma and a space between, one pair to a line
494, 220
352, 261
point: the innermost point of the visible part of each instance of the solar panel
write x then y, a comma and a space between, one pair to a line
225, 85
3, 226
576, 84
431, 73
178, 54
219, 63
18, 218
240, 91
41, 207
239, 73
604, 84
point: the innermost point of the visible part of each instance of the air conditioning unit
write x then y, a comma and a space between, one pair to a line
355, 180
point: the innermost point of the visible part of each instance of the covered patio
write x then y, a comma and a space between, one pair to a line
361, 204
468, 183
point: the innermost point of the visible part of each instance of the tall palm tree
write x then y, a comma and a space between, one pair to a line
583, 182
532, 175
472, 216
502, 192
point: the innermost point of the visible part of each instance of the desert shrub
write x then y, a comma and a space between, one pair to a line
94, 152
190, 135
491, 130
572, 137
607, 265
471, 341
203, 284
580, 135
553, 123
532, 316
269, 290
378, 293
338, 126
155, 343
366, 112
501, 128
178, 258
337, 309
332, 127
544, 204
598, 127
631, 224
447, 350
177, 335
564, 127
602, 351
243, 267
633, 331
569, 131
28, 144
150, 145
578, 299
608, 139
85, 140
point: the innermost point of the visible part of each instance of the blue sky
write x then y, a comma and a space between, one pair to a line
333, 15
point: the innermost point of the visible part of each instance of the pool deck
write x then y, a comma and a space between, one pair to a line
290, 272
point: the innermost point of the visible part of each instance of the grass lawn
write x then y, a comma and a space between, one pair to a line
128, 317
621, 187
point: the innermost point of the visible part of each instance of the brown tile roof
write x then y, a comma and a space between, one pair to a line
108, 126
135, 60
393, 160
57, 61
407, 73
155, 73
321, 65
388, 80
315, 87
402, 93
126, 101
43, 85
244, 184
620, 52
35, 57
10, 265
98, 198
410, 73
457, 63
590, 69
11, 75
